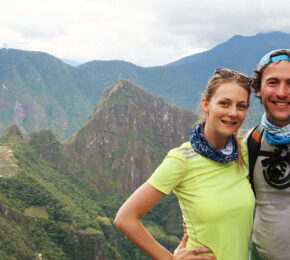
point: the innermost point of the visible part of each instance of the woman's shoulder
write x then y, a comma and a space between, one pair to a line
183, 150
185, 146
184, 153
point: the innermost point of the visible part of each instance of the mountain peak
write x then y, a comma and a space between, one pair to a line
129, 133
124, 85
12, 130
121, 93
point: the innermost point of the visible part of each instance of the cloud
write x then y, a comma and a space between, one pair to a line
145, 32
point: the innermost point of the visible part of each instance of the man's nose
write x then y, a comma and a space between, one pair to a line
283, 90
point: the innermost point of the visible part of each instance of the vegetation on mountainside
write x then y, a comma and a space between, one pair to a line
38, 91
47, 211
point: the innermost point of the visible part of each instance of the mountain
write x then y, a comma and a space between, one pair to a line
46, 213
39, 91
58, 199
239, 51
128, 134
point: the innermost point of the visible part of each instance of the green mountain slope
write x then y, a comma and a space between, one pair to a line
44, 210
38, 92
58, 200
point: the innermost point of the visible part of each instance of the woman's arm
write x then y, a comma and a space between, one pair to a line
128, 221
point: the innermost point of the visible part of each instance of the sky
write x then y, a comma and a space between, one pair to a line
144, 32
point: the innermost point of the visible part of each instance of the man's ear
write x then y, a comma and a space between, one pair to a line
258, 94
204, 104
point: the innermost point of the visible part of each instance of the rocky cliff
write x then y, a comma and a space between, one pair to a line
128, 134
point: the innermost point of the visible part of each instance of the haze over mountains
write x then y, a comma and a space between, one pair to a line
39, 91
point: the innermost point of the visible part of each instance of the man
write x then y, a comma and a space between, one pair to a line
271, 175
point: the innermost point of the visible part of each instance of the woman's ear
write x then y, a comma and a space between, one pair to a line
204, 104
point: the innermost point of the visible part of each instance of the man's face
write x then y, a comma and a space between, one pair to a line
275, 92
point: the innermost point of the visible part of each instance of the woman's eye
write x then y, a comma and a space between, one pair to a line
224, 103
243, 107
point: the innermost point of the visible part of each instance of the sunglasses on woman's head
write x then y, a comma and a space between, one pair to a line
227, 73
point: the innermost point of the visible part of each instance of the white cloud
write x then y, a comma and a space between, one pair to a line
145, 32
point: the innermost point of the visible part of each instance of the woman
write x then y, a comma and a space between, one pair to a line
209, 175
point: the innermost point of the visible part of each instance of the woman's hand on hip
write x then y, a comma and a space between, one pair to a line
191, 254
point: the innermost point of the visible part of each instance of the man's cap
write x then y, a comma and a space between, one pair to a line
267, 59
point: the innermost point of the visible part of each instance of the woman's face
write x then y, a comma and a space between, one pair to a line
225, 112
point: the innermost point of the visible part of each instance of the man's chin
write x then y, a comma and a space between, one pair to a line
279, 120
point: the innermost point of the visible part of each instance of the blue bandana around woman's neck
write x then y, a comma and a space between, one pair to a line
275, 135
203, 147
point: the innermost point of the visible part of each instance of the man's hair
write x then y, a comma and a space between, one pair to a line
257, 74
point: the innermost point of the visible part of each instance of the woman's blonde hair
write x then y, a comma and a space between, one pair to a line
220, 77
